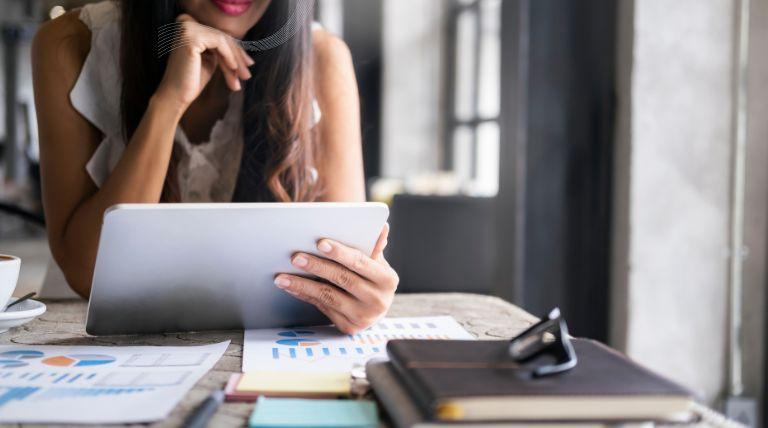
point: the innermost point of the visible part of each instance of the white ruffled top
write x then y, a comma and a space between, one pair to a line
207, 172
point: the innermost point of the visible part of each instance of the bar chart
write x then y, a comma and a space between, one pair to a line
52, 377
325, 349
9, 394
309, 343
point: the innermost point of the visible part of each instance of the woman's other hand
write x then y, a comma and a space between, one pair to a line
361, 288
195, 53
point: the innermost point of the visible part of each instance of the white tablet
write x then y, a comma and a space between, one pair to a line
191, 267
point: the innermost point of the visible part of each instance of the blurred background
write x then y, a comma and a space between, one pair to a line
607, 157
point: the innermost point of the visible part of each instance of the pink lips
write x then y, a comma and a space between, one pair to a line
233, 7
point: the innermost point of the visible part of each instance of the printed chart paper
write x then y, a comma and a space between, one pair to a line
98, 384
326, 349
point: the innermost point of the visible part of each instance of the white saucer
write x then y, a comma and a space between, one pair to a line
20, 314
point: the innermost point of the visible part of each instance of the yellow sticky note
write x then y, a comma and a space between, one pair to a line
295, 383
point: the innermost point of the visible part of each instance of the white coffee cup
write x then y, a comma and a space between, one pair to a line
9, 275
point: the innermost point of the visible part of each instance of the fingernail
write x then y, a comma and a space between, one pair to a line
281, 281
249, 60
300, 261
324, 246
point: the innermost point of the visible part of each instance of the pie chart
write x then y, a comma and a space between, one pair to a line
12, 359
22, 354
78, 360
296, 339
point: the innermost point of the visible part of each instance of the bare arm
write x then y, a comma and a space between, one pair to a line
73, 205
341, 161
363, 285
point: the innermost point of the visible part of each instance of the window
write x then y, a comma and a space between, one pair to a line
472, 88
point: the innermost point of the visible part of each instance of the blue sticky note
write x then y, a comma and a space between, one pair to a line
310, 413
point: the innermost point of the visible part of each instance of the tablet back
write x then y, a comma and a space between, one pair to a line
190, 267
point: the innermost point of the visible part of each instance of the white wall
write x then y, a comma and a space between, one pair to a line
756, 218
332, 16
670, 266
411, 82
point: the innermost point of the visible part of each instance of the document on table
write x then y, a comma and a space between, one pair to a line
98, 384
326, 349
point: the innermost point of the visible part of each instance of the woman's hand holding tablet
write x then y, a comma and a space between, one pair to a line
152, 275
352, 289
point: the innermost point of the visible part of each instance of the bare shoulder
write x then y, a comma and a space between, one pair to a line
331, 53
61, 46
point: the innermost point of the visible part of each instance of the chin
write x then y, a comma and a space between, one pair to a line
234, 17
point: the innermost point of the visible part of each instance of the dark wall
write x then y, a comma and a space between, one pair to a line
363, 33
443, 243
557, 136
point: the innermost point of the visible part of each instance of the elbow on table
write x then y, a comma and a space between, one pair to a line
79, 285
78, 277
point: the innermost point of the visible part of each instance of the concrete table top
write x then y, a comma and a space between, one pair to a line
63, 324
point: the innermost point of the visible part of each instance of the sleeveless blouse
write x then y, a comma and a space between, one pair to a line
207, 172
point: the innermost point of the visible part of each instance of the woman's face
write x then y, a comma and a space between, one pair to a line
234, 17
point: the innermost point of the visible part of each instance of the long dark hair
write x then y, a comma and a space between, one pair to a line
278, 155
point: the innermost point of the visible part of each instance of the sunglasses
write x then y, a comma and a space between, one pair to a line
549, 337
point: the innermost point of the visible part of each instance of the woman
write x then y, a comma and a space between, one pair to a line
209, 122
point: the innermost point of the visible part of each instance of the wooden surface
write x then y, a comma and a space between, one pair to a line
63, 324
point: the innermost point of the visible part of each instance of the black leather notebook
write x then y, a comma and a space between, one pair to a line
476, 380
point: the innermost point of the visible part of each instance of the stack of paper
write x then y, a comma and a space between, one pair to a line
319, 361
250, 386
